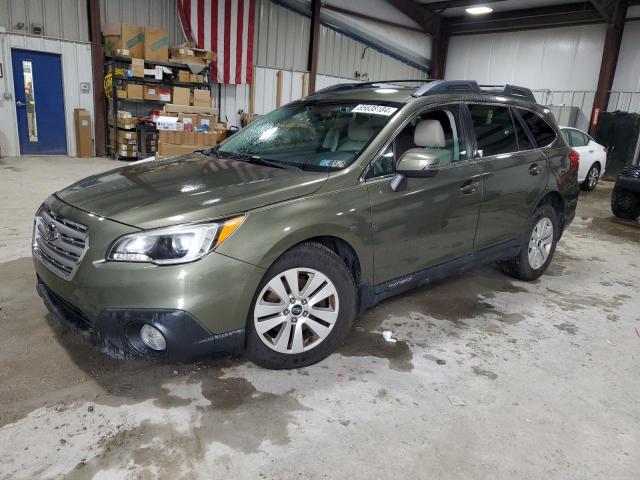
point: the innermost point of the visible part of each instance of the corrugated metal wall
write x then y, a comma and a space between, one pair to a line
341, 56
76, 69
60, 18
281, 37
562, 63
282, 41
147, 13
625, 93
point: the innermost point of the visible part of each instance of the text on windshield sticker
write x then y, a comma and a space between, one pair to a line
375, 109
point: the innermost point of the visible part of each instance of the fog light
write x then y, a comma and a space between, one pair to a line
152, 338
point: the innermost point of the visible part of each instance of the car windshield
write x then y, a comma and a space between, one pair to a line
321, 137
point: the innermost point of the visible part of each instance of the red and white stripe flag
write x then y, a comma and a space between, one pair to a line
224, 27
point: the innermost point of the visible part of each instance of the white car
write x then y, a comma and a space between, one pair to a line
593, 156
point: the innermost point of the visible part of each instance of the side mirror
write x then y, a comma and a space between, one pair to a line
414, 163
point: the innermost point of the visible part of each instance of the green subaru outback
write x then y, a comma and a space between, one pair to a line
273, 242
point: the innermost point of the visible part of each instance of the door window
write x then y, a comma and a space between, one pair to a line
543, 133
524, 142
30, 96
436, 132
494, 129
578, 139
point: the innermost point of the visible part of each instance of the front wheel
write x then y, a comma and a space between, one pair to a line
590, 182
538, 246
303, 309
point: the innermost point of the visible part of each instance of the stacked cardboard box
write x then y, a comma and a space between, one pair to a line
187, 54
182, 133
123, 37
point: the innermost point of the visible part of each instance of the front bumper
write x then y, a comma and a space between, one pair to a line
116, 331
201, 307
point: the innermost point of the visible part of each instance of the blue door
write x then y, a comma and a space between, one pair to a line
37, 80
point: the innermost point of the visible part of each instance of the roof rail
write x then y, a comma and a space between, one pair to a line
434, 87
444, 86
350, 86
513, 91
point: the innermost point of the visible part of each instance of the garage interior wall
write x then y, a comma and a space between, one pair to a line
58, 18
625, 93
561, 65
146, 13
76, 69
282, 43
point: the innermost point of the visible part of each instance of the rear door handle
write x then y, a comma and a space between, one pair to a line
469, 187
535, 169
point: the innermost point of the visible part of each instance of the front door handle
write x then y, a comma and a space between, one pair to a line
20, 104
591, 151
469, 187
535, 169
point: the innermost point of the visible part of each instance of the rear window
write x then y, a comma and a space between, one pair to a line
543, 133
494, 129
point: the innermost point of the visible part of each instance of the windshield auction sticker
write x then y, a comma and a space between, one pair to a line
375, 109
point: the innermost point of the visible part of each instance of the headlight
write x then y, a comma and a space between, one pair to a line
179, 244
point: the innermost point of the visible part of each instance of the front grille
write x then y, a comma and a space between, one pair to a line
59, 243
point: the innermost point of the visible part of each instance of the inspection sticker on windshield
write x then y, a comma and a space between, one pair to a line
375, 109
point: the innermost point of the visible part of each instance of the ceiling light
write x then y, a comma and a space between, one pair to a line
479, 10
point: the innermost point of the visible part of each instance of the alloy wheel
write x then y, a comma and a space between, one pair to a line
540, 243
592, 178
296, 310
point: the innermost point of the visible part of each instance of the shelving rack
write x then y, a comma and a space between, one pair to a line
112, 105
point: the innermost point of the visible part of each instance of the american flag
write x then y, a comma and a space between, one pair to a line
224, 27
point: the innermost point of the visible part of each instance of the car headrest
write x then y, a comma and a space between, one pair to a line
359, 132
429, 133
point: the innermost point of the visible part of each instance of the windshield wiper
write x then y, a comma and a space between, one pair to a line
244, 157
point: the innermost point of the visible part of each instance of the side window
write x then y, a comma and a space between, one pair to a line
437, 132
541, 130
524, 143
495, 132
578, 139
566, 134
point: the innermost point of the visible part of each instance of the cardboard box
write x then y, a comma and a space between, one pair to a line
84, 142
164, 95
135, 91
173, 150
191, 55
189, 138
151, 92
169, 123
181, 96
184, 76
189, 120
173, 108
121, 93
123, 36
201, 98
123, 52
196, 78
156, 44
137, 67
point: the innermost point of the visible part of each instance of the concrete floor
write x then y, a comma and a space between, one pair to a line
491, 377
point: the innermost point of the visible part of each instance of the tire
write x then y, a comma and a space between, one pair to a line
591, 180
625, 204
303, 332
521, 266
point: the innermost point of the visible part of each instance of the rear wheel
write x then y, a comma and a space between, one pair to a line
303, 309
538, 246
625, 204
593, 175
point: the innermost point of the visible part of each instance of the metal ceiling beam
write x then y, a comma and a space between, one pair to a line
544, 17
602, 10
429, 21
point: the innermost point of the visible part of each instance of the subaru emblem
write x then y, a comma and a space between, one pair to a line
52, 233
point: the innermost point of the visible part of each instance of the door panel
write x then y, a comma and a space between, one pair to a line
429, 221
37, 80
510, 189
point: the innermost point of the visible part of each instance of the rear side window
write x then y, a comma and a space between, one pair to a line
577, 139
494, 129
524, 143
543, 133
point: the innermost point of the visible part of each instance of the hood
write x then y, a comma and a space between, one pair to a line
187, 189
